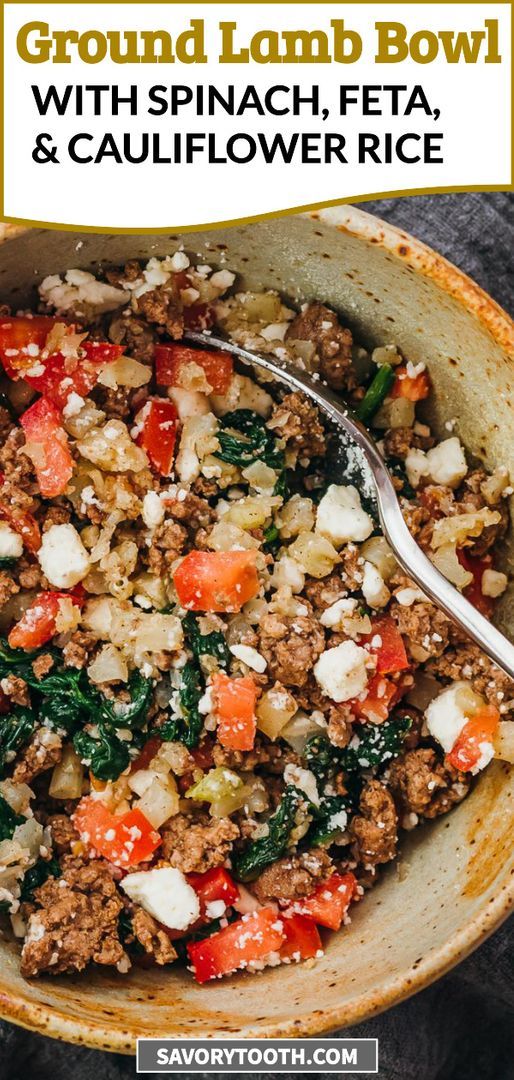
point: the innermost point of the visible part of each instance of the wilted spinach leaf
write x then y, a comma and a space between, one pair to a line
107, 755
212, 644
15, 730
37, 875
260, 853
8, 820
244, 438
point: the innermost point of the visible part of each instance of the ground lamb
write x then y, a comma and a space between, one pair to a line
423, 785
374, 829
195, 845
76, 923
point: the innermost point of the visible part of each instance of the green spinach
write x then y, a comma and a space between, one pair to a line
15, 730
260, 853
37, 875
244, 438
8, 820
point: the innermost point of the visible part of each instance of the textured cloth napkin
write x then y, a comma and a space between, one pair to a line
462, 1027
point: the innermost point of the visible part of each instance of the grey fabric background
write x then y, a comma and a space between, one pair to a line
462, 1028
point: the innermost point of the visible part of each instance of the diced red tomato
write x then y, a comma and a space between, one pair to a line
328, 904
389, 648
148, 752
17, 333
202, 753
215, 884
43, 429
123, 839
234, 705
198, 317
216, 580
251, 938
414, 389
473, 591
480, 729
37, 624
159, 433
376, 706
170, 361
24, 524
62, 376
302, 938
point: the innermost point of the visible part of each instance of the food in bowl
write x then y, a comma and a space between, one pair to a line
221, 699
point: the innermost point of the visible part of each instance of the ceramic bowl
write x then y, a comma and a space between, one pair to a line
454, 883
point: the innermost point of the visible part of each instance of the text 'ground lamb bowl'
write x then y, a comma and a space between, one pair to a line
234, 736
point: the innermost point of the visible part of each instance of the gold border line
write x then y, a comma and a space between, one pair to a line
273, 214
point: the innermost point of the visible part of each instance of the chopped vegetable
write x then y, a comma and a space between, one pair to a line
173, 360
234, 706
159, 434
187, 727
8, 820
211, 644
375, 394
15, 731
48, 443
411, 387
248, 863
37, 875
330, 901
216, 580
474, 745
38, 624
62, 377
236, 946
302, 940
244, 438
21, 340
380, 694
386, 643
125, 839
213, 886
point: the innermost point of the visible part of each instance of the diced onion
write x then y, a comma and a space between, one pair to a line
376, 550
274, 710
445, 558
300, 729
124, 372
67, 777
457, 529
316, 554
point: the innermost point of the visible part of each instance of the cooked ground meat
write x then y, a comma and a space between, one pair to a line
162, 306
333, 343
8, 587
195, 845
292, 877
194, 511
470, 498
340, 727
55, 515
423, 785
116, 404
467, 662
374, 830
291, 646
425, 629
297, 421
16, 689
76, 922
352, 569
135, 334
42, 665
155, 941
272, 755
19, 485
168, 542
398, 442
76, 651
63, 833
30, 575
43, 751
323, 592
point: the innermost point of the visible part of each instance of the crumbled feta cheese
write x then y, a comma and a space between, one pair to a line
249, 656
179, 261
165, 894
408, 596
153, 510
340, 517
287, 573
416, 466
303, 779
222, 279
447, 463
341, 672
494, 583
11, 544
63, 557
374, 588
73, 405
334, 615
447, 713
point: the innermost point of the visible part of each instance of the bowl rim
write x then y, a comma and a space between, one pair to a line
37, 1016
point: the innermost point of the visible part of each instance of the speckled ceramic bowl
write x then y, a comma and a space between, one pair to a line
455, 883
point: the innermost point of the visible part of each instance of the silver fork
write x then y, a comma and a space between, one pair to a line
408, 553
